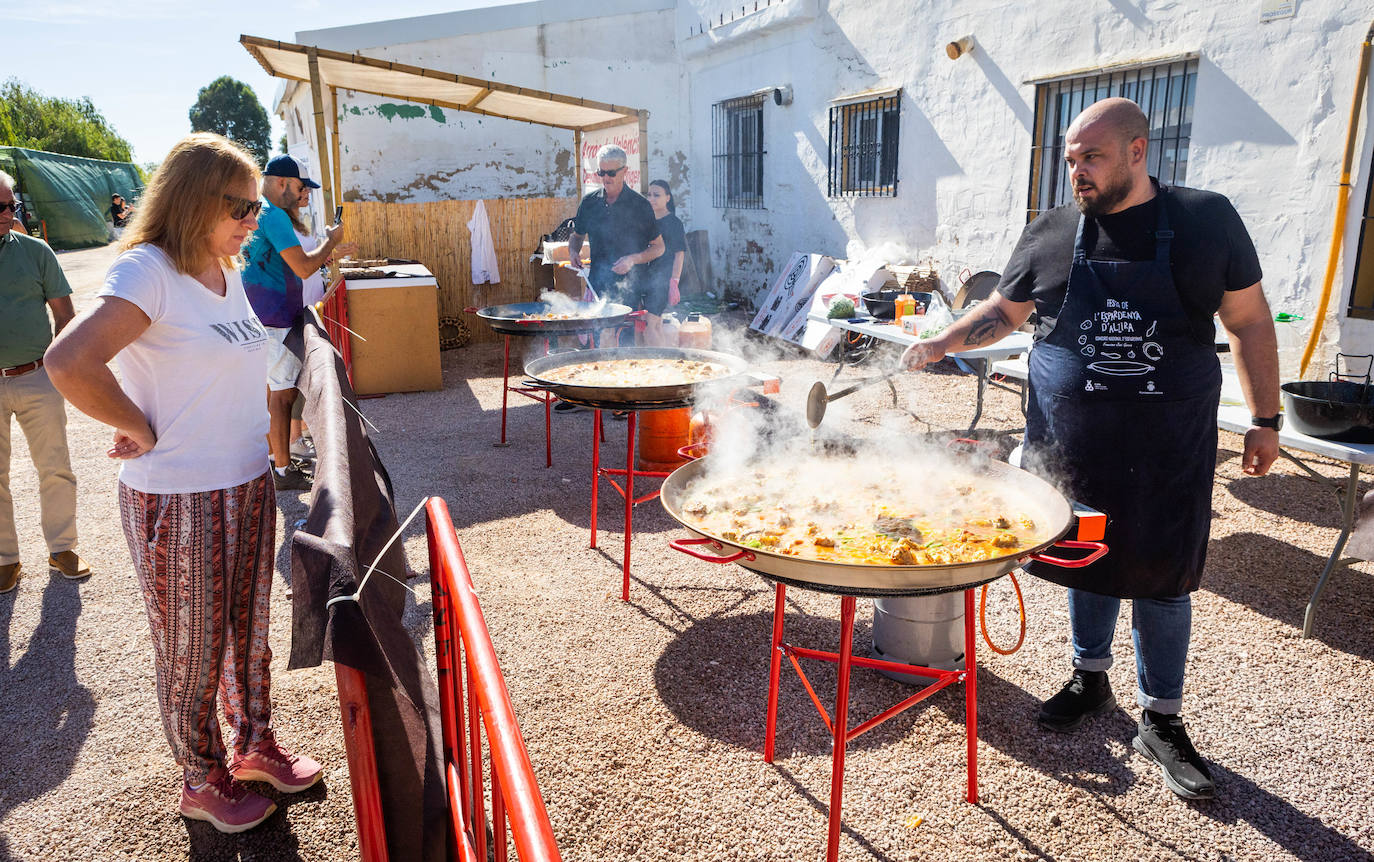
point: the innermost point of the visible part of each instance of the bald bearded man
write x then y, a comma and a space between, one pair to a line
1124, 386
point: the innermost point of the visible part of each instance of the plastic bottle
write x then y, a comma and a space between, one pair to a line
695, 332
672, 328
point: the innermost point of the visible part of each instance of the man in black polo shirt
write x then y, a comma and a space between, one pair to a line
622, 228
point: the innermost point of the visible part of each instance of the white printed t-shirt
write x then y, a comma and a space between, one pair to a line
198, 373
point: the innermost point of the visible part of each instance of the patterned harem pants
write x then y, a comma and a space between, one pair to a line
205, 563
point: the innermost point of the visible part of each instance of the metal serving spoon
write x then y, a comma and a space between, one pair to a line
817, 399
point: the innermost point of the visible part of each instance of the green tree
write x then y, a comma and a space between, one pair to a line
73, 127
231, 108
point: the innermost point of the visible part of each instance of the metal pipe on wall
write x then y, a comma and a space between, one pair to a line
1342, 204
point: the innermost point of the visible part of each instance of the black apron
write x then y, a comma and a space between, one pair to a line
1122, 416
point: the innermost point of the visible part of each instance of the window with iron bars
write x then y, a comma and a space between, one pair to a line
1362, 290
1164, 91
863, 147
737, 153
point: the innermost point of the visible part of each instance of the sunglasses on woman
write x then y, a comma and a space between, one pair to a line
12, 206
242, 208
612, 172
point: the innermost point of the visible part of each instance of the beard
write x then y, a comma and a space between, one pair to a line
1115, 189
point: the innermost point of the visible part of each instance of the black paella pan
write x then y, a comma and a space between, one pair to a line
639, 397
529, 318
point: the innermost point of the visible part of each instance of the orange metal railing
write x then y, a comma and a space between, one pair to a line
334, 313
461, 640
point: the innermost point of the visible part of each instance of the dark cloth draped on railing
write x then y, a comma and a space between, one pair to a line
351, 517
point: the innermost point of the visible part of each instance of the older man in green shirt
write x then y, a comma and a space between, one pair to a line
31, 284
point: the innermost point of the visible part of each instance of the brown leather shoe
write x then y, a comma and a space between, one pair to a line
69, 565
9, 577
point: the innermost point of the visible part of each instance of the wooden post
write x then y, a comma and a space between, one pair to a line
321, 144
643, 152
577, 164
334, 141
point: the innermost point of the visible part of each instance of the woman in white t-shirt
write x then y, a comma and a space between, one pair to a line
196, 500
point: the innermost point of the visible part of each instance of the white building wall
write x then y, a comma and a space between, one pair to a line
394, 151
1270, 117
1269, 123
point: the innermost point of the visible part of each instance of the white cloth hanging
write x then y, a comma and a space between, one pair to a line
484, 270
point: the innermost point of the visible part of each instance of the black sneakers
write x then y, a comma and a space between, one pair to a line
1088, 693
293, 478
1161, 738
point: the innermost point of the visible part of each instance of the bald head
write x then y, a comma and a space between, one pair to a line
1105, 151
1120, 118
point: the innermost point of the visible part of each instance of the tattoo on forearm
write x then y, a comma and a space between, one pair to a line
985, 328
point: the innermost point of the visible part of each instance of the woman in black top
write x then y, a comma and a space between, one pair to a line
660, 286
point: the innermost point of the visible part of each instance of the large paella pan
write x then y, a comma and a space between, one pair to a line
941, 528
543, 318
633, 378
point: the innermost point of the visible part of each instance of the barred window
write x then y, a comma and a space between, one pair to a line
863, 146
1163, 91
737, 153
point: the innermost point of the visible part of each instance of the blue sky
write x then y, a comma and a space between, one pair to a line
143, 61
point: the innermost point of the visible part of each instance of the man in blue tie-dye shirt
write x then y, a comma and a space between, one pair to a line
273, 279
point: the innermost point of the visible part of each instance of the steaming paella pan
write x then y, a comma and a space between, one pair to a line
633, 377
543, 318
861, 527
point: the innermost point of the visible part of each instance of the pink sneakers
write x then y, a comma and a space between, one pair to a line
289, 773
225, 803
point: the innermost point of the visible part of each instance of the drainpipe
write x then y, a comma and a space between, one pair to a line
1342, 203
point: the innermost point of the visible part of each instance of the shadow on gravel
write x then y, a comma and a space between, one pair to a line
1276, 579
1099, 759
1298, 497
270, 842
46, 711
823, 808
714, 679
1241, 800
1094, 759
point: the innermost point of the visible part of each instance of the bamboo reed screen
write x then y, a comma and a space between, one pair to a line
436, 234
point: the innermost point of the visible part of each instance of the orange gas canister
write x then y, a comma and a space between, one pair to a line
661, 434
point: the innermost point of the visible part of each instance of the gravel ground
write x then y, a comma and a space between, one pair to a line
645, 719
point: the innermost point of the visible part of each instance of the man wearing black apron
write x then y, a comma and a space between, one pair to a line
1124, 385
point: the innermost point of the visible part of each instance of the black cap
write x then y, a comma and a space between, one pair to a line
289, 166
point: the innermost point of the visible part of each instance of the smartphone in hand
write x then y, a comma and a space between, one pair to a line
338, 215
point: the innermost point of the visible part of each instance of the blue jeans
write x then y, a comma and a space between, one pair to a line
1160, 629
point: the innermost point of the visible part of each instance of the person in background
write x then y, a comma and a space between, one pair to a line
120, 212
274, 274
32, 285
195, 497
624, 236
312, 291
1124, 386
661, 284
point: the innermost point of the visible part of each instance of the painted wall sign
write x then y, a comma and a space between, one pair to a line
627, 138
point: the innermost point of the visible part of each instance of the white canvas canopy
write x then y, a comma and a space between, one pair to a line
321, 69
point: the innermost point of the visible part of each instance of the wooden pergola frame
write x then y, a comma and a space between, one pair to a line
321, 69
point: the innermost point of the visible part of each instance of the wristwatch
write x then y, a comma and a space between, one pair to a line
1275, 421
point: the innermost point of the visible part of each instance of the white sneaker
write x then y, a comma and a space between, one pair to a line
303, 448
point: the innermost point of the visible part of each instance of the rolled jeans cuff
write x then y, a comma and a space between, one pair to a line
1092, 663
1161, 705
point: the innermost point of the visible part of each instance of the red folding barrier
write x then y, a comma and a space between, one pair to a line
335, 315
461, 640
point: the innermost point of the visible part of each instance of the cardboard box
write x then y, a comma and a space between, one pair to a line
401, 324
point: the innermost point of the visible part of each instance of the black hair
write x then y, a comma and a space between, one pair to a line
663, 184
